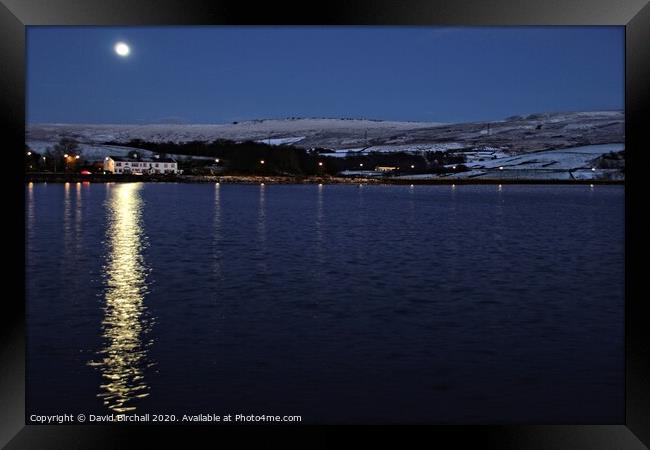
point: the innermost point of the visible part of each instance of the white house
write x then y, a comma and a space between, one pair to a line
140, 166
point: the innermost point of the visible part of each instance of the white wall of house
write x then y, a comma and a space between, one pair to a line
140, 167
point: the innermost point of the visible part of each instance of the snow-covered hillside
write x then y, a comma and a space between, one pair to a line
516, 134
295, 131
576, 163
553, 145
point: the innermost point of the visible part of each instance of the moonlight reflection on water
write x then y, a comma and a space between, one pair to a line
124, 355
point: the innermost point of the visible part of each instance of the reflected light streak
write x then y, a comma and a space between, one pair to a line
217, 256
67, 208
30, 211
78, 225
319, 221
261, 231
124, 356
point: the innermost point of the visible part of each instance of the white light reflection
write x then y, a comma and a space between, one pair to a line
67, 208
124, 357
78, 225
319, 224
217, 255
261, 231
30, 212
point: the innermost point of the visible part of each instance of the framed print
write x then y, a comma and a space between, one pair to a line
413, 219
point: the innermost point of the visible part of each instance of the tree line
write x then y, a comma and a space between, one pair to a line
250, 157
66, 155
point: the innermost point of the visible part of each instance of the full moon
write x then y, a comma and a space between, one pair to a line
122, 49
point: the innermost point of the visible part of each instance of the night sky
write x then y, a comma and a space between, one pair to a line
223, 74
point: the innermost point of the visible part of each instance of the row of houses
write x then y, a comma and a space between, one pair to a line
140, 166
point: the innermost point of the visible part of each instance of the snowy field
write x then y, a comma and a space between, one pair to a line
281, 141
413, 148
562, 164
561, 159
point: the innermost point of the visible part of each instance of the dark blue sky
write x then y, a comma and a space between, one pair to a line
221, 74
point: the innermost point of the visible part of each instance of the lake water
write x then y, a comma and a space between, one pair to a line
366, 304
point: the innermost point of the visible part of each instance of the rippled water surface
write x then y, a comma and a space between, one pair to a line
338, 303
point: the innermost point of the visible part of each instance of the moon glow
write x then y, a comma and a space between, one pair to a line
122, 49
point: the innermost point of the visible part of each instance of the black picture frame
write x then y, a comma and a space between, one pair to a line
15, 15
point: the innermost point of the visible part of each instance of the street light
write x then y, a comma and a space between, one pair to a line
320, 163
216, 160
261, 161
29, 153
77, 157
361, 165
412, 166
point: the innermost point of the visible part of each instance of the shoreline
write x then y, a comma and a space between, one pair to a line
259, 179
